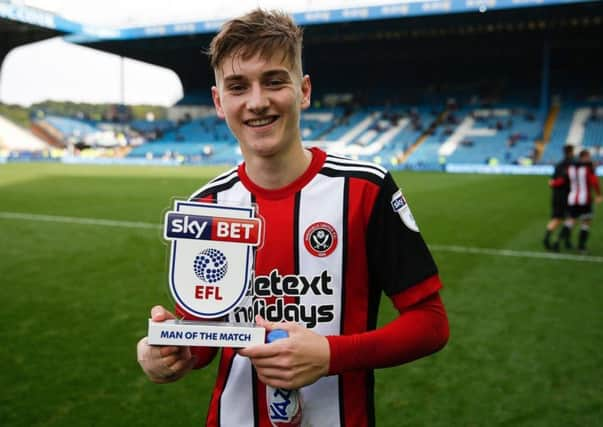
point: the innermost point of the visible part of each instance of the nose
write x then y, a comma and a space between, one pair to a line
258, 101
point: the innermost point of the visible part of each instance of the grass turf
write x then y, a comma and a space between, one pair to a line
525, 331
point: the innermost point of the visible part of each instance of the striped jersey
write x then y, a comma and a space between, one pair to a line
335, 240
582, 180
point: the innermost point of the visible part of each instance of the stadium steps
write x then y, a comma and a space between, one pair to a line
47, 133
549, 124
413, 147
15, 138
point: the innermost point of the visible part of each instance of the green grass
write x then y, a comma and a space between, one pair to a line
525, 331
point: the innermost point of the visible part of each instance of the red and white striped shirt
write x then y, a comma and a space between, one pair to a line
335, 240
582, 180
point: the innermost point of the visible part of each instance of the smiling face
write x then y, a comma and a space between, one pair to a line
261, 98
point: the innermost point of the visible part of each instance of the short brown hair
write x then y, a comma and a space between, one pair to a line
258, 31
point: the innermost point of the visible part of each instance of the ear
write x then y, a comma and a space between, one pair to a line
215, 95
306, 89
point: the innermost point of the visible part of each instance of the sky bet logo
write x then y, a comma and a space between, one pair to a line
198, 227
398, 201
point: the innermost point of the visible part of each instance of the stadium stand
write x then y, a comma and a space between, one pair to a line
14, 138
83, 133
467, 85
577, 124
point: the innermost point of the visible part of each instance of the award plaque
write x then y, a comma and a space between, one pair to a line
212, 258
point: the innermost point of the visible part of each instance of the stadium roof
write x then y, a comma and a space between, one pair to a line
408, 8
21, 25
178, 46
332, 34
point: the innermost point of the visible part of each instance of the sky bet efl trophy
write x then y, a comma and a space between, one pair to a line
212, 258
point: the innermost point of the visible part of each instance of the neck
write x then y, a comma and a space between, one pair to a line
276, 172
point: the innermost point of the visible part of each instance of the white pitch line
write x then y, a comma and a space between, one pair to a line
443, 248
77, 220
520, 254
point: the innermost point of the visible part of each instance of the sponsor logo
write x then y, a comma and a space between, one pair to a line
320, 239
398, 201
400, 206
277, 299
284, 407
200, 227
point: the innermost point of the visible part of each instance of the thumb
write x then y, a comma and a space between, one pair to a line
159, 314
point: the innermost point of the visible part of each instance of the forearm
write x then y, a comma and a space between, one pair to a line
419, 331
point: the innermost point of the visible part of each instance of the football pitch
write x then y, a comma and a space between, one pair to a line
82, 261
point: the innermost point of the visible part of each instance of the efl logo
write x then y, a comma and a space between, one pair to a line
199, 227
210, 265
320, 239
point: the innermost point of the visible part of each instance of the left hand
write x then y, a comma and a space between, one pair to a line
292, 362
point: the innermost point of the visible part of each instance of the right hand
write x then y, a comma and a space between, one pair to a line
164, 364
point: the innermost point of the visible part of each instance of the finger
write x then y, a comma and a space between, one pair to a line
183, 353
143, 349
263, 323
276, 374
159, 314
182, 366
169, 361
276, 382
167, 350
260, 351
157, 352
271, 363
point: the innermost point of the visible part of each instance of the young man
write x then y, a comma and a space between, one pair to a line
559, 197
341, 226
582, 181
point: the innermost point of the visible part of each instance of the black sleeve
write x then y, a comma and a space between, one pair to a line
398, 257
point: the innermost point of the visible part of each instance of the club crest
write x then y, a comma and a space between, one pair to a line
320, 239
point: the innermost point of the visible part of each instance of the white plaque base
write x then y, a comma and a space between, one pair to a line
204, 334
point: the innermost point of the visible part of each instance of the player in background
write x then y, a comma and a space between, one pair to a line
582, 181
339, 234
559, 197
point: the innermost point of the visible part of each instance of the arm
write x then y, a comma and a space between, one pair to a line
418, 331
557, 182
306, 356
400, 265
594, 182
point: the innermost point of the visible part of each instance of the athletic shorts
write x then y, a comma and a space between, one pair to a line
581, 211
559, 210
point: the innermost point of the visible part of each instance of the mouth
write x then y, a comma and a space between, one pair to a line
261, 122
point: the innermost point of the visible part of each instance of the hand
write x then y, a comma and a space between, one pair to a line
293, 362
598, 199
164, 364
